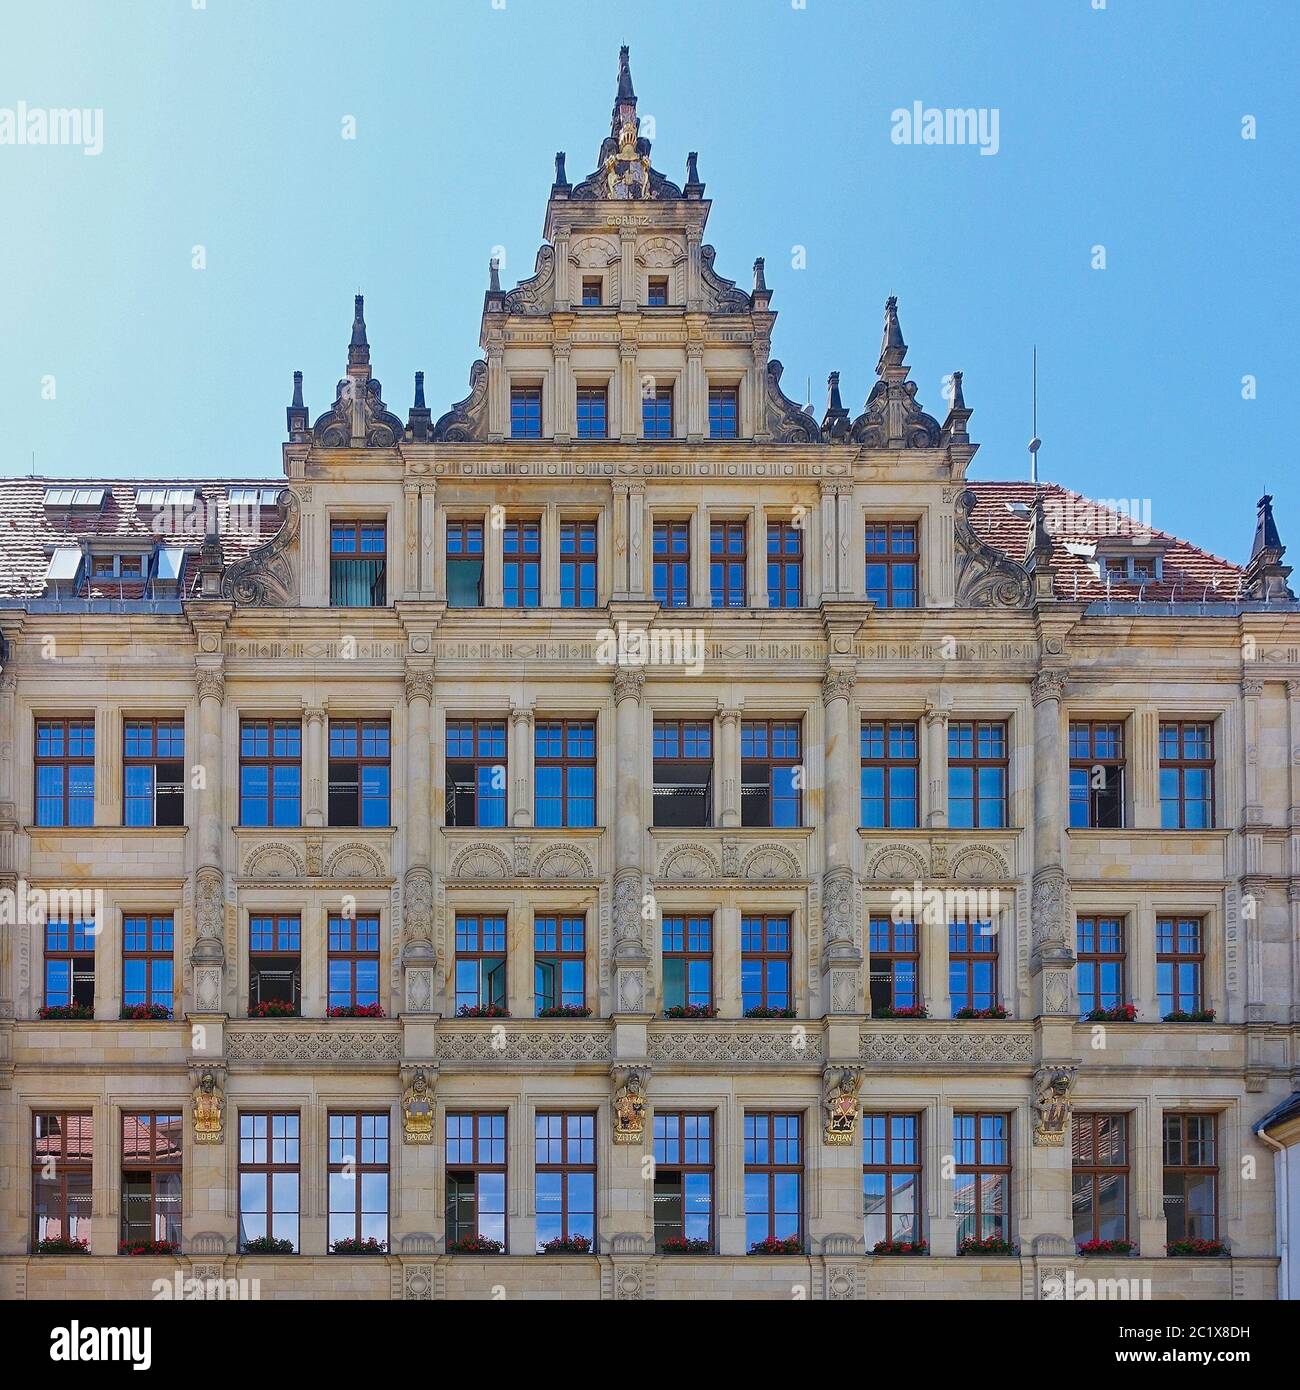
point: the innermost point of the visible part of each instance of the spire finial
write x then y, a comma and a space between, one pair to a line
760, 284
561, 179
359, 346
419, 420
297, 390
625, 92
494, 276
419, 390
296, 414
835, 423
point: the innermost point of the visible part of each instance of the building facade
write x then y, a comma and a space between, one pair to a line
624, 837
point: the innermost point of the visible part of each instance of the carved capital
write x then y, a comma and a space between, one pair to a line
1048, 684
419, 683
838, 685
1251, 688
629, 682
521, 714
210, 684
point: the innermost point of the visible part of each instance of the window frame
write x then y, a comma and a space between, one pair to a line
753, 1167
586, 415
1087, 763
154, 957
981, 1169
565, 1170
767, 957
1174, 957
358, 526
890, 560
690, 921
157, 1167
679, 727
526, 395
888, 1169
724, 395
575, 587
724, 562
355, 1168
159, 792
772, 762
681, 1168
894, 950
559, 927
79, 1166
271, 761
977, 763
658, 423
77, 930
66, 761
674, 569
269, 1170
779, 568
464, 533
480, 728
1089, 1123
478, 1167
521, 567
1211, 1170
967, 954
479, 953
278, 920
1180, 765
566, 763
359, 727
1098, 959
345, 949
658, 288
887, 763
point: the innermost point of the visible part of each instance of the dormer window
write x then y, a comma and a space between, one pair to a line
74, 499
1130, 568
593, 292
117, 566
156, 499
657, 292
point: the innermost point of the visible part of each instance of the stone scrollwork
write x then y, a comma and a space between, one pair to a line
417, 907
467, 419
840, 1088
787, 421
1053, 1087
629, 1103
210, 915
627, 909
927, 1046
837, 906
1049, 910
358, 413
264, 577
419, 683
790, 1046
986, 578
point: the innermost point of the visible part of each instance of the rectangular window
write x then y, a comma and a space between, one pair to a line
972, 965
724, 412
657, 292
62, 1160
683, 1178
683, 772
565, 772
153, 772
464, 564
1097, 775
148, 963
728, 562
565, 1152
358, 551
671, 546
773, 1177
765, 963
592, 292
578, 564
476, 772
891, 1178
354, 962
1191, 1178
1099, 945
359, 772
270, 772
891, 775
358, 1178
593, 412
268, 1178
70, 965
891, 564
476, 1177
771, 772
151, 1177
65, 772
1180, 964
657, 413
1186, 775
982, 1181
274, 962
977, 774
559, 964
784, 564
688, 962
895, 965
480, 962
521, 565
1099, 1176
525, 412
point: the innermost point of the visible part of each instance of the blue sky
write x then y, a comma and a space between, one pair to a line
222, 128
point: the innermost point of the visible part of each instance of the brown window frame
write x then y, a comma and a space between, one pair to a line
1097, 958
1211, 1170
576, 560
1182, 765
663, 764
892, 559
72, 954
978, 762
269, 1168
889, 762
1087, 1125
888, 1169
723, 590
565, 1168
554, 925
687, 955
589, 282
972, 957
65, 1167
477, 1166
590, 395
894, 950
353, 955
719, 418
156, 1166
673, 595
1084, 734
256, 957
526, 394
270, 761
781, 561
771, 761
982, 1168
766, 956
1173, 956
658, 395
657, 291
67, 761
356, 525
359, 761
151, 955
477, 761
567, 763
680, 1167
771, 1169
466, 531
525, 534
480, 953
356, 1166
170, 794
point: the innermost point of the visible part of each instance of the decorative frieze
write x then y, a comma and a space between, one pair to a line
978, 1045
794, 1045
512, 1042
329, 1045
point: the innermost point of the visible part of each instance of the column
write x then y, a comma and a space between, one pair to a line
493, 555
521, 765
8, 830
757, 392
411, 539
628, 280
630, 959
550, 542
209, 955
701, 588
419, 961
936, 767
842, 960
619, 585
498, 405
1145, 760
428, 538
314, 766
636, 539
757, 577
830, 585
696, 395
1052, 920
562, 292
694, 278
629, 393
727, 808
564, 398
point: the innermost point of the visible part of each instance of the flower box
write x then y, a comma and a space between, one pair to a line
1107, 1247
691, 1011
989, 1245
906, 1011
482, 1011
148, 1247
1117, 1013
777, 1245
267, 1245
157, 1013
901, 1247
565, 1011
566, 1245
65, 1012
1208, 1248
1190, 1016
997, 1011
476, 1245
273, 1008
350, 1245
61, 1245
357, 1011
686, 1245
762, 1011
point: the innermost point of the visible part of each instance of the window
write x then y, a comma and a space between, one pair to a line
765, 963
476, 1177
1099, 1176
480, 961
153, 772
577, 564
657, 291
354, 961
268, 1178
1180, 964
275, 960
1100, 969
148, 964
891, 775
70, 965
784, 564
1097, 775
593, 412
464, 564
592, 291
525, 412
724, 412
728, 560
683, 1192
895, 965
773, 1177
671, 544
771, 772
891, 564
565, 1150
982, 1182
559, 963
891, 1178
521, 567
565, 771
359, 772
358, 1177
476, 772
1191, 1178
972, 965
357, 564
977, 774
657, 413
683, 772
1186, 775
62, 1159
688, 962
270, 772
151, 1177
65, 772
